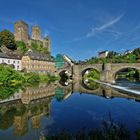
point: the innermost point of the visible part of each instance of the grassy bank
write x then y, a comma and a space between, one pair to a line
12, 81
9, 76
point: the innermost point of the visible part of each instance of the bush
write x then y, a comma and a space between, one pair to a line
9, 75
32, 77
7, 39
21, 46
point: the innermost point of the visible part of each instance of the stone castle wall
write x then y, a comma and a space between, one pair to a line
21, 33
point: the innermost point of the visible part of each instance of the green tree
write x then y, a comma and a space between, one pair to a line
7, 39
21, 46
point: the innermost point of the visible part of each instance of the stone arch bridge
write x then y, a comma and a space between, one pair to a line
107, 71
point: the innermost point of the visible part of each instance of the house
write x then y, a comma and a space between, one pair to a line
127, 52
103, 54
37, 62
10, 60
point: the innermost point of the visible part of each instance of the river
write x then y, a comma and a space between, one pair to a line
34, 113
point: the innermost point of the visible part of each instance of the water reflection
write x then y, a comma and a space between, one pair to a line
40, 108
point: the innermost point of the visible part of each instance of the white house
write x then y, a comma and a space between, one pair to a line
10, 60
103, 54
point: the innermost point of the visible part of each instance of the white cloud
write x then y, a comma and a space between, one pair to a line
96, 30
104, 27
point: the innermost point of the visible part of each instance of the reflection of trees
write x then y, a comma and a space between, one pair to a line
89, 79
7, 119
7, 91
130, 74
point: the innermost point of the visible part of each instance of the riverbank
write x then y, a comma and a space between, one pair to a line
9, 76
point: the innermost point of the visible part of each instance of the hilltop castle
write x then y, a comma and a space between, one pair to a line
21, 33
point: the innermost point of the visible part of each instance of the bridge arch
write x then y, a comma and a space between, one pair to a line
86, 82
117, 68
97, 67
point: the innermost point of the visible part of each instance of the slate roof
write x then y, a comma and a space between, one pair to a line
3, 55
38, 56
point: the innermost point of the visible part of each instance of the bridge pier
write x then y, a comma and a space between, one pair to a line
106, 76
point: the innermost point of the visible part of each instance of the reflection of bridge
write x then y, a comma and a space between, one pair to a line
103, 91
38, 100
107, 71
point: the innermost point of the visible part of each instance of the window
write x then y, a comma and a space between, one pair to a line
18, 62
2, 61
14, 62
8, 61
17, 67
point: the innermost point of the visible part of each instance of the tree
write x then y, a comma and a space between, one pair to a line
7, 39
136, 51
21, 46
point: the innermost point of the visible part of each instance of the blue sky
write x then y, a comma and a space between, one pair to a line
79, 28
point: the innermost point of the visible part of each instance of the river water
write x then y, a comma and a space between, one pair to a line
34, 113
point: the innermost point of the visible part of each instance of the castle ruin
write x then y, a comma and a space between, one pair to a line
21, 33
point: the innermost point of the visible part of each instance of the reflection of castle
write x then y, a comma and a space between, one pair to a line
34, 103
20, 125
22, 34
33, 112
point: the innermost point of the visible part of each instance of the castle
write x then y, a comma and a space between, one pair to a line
21, 33
31, 61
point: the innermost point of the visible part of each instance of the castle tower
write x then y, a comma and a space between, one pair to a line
21, 31
36, 33
47, 43
36, 121
20, 125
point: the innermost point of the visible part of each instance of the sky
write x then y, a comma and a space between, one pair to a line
78, 28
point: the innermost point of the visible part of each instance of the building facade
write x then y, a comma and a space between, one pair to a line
37, 62
15, 62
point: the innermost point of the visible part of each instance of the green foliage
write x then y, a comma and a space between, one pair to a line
112, 54
21, 46
136, 51
7, 39
32, 77
129, 74
11, 80
36, 47
9, 75
130, 58
7, 91
94, 74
